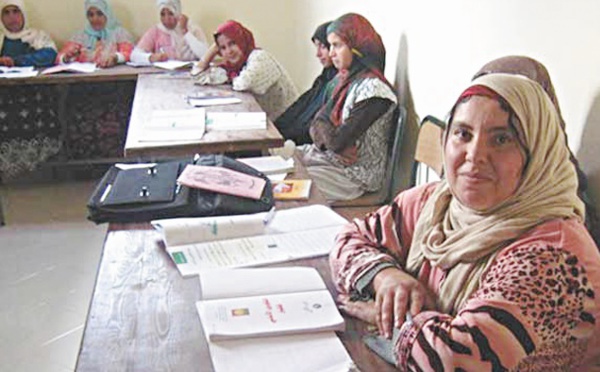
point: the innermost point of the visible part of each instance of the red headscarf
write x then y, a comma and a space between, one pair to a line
478, 90
368, 60
243, 38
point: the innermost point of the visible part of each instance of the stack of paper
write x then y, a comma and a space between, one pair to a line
236, 120
174, 126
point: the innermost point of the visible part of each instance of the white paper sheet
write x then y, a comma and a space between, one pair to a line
322, 352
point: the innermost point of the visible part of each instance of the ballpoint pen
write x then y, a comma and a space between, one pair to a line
269, 216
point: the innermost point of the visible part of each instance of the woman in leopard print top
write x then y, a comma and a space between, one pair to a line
491, 268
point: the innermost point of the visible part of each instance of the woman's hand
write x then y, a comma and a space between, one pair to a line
348, 156
158, 57
397, 293
71, 54
108, 61
363, 310
206, 59
7, 61
183, 23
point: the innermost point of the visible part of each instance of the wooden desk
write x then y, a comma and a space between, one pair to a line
84, 115
162, 92
142, 315
116, 73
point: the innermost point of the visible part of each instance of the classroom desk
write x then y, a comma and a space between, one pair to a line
163, 92
142, 315
116, 73
84, 114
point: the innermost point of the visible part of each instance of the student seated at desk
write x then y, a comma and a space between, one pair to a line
102, 41
294, 123
493, 264
175, 37
251, 69
20, 45
351, 132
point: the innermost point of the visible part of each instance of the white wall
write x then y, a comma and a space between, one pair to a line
448, 40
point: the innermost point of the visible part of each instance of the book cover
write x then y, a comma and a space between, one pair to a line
295, 312
292, 189
222, 180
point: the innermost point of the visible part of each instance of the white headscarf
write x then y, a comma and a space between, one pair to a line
35, 38
463, 241
172, 5
181, 47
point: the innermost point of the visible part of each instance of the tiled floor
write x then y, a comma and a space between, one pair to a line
48, 259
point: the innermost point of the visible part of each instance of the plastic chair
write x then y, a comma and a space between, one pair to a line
428, 162
387, 192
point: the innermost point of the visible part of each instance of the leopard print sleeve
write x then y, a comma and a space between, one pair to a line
534, 311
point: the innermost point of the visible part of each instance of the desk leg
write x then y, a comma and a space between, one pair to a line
2, 223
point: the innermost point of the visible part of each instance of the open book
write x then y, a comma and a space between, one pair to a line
84, 67
298, 303
204, 243
271, 319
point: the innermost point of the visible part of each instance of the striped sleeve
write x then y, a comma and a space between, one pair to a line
382, 237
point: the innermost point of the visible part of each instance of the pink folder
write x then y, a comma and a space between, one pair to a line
222, 180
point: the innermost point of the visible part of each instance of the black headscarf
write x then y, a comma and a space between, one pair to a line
294, 123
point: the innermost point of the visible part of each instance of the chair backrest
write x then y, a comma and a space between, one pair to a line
428, 162
392, 167
387, 192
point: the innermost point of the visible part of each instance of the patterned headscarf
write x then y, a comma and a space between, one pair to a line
35, 38
368, 60
243, 38
463, 241
111, 23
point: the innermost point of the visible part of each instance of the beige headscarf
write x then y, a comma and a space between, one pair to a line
463, 241
35, 38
